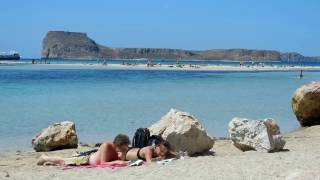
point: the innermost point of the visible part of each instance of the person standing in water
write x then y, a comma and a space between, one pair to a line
301, 73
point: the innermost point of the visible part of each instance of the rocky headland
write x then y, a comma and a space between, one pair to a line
74, 45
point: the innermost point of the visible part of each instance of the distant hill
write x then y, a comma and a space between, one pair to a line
74, 45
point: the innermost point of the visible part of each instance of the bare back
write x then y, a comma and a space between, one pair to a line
145, 153
105, 153
132, 154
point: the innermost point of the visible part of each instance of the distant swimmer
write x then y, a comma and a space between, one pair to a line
301, 73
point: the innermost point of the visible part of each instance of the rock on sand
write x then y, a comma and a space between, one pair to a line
57, 136
306, 104
262, 136
183, 131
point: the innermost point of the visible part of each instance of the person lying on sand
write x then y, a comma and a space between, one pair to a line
150, 153
108, 153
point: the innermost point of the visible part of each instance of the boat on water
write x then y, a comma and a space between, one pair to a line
12, 55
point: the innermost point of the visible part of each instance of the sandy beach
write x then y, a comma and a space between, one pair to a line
172, 67
206, 67
300, 160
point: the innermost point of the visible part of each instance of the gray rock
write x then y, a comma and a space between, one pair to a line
278, 142
57, 136
183, 131
272, 125
256, 135
306, 104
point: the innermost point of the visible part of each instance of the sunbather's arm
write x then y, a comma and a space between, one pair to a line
104, 150
157, 159
148, 153
117, 162
122, 155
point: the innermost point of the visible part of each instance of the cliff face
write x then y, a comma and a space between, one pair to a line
241, 54
72, 45
156, 53
297, 57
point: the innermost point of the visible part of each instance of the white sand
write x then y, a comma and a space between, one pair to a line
301, 161
174, 67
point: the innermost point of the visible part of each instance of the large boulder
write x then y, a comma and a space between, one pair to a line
262, 136
306, 104
57, 136
183, 131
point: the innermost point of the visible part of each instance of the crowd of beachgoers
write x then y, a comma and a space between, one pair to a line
170, 66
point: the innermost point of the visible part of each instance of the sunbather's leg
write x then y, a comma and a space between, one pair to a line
54, 159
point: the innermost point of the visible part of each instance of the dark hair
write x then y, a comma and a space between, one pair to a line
166, 144
121, 139
171, 152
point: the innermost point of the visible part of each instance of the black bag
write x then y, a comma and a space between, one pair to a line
154, 140
140, 138
87, 153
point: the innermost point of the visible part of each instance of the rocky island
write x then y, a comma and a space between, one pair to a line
75, 45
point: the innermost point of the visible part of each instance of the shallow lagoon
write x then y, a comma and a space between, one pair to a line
104, 102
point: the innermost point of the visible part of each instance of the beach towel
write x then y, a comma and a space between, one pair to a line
108, 166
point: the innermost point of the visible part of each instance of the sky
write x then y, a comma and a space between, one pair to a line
283, 25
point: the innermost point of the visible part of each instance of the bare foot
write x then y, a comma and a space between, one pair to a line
42, 160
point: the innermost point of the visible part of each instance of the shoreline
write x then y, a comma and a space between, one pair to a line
93, 143
168, 67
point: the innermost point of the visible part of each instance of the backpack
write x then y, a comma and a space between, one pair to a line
154, 140
140, 138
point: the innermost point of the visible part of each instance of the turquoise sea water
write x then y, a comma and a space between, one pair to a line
103, 102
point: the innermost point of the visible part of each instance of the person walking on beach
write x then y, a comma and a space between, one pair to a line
108, 153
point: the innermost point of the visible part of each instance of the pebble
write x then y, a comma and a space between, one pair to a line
6, 174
